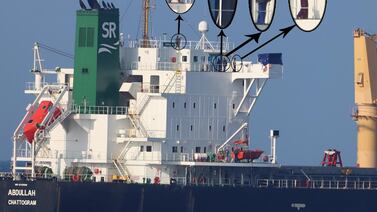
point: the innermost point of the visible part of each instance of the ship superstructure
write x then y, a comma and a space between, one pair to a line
140, 112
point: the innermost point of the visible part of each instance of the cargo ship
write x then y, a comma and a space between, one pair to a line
160, 125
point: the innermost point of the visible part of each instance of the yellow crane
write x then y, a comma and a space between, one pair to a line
365, 83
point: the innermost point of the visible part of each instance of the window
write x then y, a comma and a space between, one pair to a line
173, 104
82, 37
181, 149
141, 148
178, 127
194, 105
191, 127
149, 148
210, 128
234, 106
203, 59
90, 37
215, 105
205, 149
84, 70
224, 128
86, 37
139, 59
184, 58
184, 105
174, 149
195, 59
197, 149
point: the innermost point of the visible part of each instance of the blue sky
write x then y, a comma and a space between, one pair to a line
311, 105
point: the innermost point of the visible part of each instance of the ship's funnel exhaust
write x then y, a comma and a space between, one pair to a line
365, 113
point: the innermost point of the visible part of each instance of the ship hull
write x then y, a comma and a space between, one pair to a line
113, 197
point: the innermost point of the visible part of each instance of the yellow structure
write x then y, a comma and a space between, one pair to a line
365, 114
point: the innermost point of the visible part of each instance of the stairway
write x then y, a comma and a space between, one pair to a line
120, 160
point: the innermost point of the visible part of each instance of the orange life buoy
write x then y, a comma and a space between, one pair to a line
202, 180
96, 171
75, 178
156, 180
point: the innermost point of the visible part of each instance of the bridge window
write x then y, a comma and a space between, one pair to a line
181, 149
149, 148
195, 59
141, 148
197, 149
184, 58
174, 149
178, 127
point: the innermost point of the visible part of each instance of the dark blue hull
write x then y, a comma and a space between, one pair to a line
113, 197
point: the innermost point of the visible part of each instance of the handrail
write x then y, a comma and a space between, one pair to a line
348, 183
99, 110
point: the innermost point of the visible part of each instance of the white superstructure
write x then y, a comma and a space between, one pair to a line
176, 111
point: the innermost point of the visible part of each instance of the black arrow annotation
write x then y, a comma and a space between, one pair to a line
251, 38
221, 35
283, 32
179, 19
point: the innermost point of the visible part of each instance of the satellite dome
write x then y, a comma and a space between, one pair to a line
203, 27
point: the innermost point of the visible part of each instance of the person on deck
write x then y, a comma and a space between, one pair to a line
262, 12
304, 11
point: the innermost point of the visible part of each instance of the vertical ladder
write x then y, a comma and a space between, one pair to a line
178, 81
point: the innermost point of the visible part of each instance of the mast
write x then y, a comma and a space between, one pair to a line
146, 23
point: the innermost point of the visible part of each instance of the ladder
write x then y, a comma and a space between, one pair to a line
178, 82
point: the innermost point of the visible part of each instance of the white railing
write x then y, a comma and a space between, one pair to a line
30, 86
101, 110
167, 43
170, 66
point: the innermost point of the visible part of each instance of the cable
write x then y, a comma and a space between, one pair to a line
125, 11
56, 51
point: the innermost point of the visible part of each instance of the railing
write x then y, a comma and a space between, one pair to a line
99, 110
170, 66
167, 43
351, 183
30, 86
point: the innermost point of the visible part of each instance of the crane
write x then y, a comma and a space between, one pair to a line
365, 83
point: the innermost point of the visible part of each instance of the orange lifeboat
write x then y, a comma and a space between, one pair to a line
34, 123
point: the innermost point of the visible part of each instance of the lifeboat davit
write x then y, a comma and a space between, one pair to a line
35, 121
